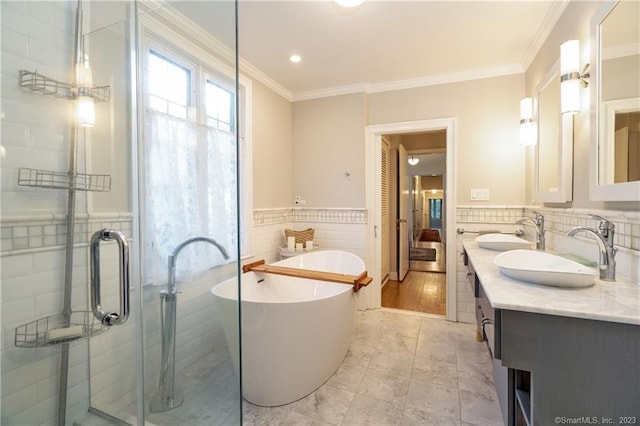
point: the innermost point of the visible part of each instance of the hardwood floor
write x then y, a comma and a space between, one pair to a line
424, 288
419, 292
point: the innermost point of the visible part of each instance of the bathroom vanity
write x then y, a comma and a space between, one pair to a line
560, 355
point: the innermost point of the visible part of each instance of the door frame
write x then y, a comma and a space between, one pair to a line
373, 247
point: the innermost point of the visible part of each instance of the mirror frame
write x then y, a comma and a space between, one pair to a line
626, 191
565, 149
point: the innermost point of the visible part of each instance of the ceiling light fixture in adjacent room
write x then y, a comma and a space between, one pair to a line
413, 160
295, 58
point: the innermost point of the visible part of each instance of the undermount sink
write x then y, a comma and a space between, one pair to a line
544, 268
502, 242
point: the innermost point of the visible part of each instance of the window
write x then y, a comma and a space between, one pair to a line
168, 86
190, 151
219, 104
435, 207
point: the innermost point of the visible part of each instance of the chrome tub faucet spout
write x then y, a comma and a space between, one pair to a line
538, 223
604, 237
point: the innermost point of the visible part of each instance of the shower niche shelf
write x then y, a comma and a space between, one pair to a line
50, 87
57, 180
54, 330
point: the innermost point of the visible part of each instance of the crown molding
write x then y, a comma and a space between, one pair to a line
331, 91
548, 23
432, 80
439, 79
252, 71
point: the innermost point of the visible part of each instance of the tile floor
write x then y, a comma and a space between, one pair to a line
402, 368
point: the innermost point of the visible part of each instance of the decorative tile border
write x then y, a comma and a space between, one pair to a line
263, 217
27, 233
271, 216
346, 215
489, 214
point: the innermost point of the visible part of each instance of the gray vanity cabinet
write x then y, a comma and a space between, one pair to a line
563, 369
551, 369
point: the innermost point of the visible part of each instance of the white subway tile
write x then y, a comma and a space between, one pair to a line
16, 402
17, 265
48, 261
48, 388
18, 311
35, 414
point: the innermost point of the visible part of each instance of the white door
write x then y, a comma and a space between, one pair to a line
403, 213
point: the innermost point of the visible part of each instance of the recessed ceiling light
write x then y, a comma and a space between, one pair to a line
295, 58
349, 3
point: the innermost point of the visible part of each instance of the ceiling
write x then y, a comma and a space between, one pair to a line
380, 44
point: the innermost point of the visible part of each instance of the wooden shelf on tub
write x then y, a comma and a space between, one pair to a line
357, 281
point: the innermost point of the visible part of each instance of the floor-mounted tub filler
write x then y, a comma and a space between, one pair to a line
295, 331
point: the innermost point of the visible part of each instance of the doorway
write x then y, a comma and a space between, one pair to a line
447, 210
423, 288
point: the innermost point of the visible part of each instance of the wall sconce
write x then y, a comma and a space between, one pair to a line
527, 125
571, 79
413, 160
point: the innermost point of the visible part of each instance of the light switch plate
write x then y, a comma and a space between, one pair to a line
479, 194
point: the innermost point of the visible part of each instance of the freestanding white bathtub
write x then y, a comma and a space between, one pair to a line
295, 332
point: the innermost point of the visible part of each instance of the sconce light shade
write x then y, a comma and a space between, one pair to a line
570, 57
570, 96
571, 80
527, 125
526, 109
413, 160
86, 110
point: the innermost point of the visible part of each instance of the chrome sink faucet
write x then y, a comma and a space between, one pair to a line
604, 238
538, 223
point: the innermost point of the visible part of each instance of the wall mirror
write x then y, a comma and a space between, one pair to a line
615, 102
554, 148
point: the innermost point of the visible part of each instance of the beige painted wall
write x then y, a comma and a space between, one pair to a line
488, 152
573, 24
328, 143
272, 149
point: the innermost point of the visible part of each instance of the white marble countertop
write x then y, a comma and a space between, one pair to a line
605, 301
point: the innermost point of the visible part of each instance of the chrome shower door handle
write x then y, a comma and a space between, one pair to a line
110, 318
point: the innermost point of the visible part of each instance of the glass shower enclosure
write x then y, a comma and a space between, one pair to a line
107, 315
